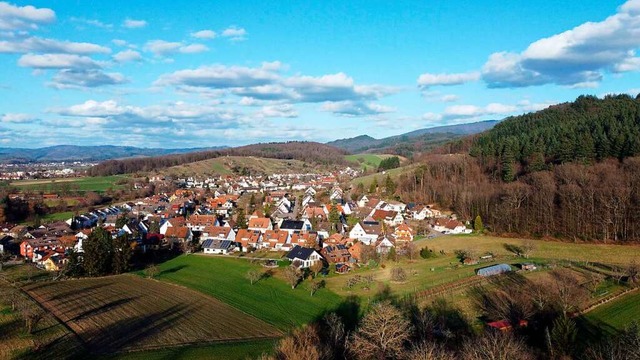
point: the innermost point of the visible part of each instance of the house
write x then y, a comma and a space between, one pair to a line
315, 212
389, 217
403, 234
303, 256
450, 226
248, 239
335, 239
179, 234
304, 239
365, 231
384, 245
261, 224
336, 254
218, 232
358, 250
291, 226
275, 239
363, 201
54, 262
217, 246
199, 222
421, 212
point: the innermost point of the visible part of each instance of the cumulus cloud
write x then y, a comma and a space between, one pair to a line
436, 96
426, 80
164, 48
204, 34
14, 17
41, 45
57, 61
220, 77
577, 56
77, 79
278, 111
92, 22
333, 87
466, 112
17, 118
134, 24
235, 33
355, 108
127, 56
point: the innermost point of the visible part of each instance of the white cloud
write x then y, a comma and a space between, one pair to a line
79, 79
134, 24
455, 113
193, 49
204, 34
219, 76
127, 55
17, 118
436, 96
577, 56
426, 80
234, 33
333, 87
92, 22
57, 61
164, 48
278, 111
36, 44
14, 17
355, 108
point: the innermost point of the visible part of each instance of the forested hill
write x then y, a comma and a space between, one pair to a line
586, 130
311, 152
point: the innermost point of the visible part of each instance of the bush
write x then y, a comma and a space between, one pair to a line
426, 253
398, 275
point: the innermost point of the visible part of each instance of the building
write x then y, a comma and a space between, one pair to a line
306, 257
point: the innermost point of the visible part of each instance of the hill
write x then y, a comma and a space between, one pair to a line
310, 152
85, 153
414, 141
228, 165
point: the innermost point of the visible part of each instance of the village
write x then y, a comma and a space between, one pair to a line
306, 218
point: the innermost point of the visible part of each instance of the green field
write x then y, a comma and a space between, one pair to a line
367, 179
368, 161
617, 314
270, 299
227, 351
97, 184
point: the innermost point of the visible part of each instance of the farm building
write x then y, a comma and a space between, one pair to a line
494, 270
217, 246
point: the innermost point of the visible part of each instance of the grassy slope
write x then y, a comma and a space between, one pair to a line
369, 161
229, 351
224, 165
271, 299
366, 180
98, 184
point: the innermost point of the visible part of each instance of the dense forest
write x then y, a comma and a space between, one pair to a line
311, 152
568, 172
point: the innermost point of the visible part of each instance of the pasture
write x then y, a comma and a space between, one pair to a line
617, 314
368, 161
82, 184
128, 313
270, 299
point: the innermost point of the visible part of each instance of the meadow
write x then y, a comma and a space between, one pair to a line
96, 184
617, 314
368, 161
270, 299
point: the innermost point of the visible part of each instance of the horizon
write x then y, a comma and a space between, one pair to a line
297, 72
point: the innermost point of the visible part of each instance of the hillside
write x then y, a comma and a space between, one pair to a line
85, 153
229, 165
414, 141
310, 152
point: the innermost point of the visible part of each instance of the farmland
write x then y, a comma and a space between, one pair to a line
83, 184
128, 313
270, 299
617, 314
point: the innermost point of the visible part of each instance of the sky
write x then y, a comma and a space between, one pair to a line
182, 74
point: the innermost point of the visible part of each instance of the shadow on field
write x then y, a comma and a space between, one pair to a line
172, 270
103, 308
75, 293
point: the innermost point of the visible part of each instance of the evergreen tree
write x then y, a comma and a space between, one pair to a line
121, 221
98, 252
122, 253
74, 267
508, 165
477, 224
373, 188
154, 227
389, 185
241, 219
334, 217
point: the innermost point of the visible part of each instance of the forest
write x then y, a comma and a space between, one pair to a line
311, 152
570, 171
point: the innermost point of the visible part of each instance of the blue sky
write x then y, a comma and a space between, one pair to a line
205, 73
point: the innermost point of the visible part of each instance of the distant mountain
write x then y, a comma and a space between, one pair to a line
417, 140
86, 153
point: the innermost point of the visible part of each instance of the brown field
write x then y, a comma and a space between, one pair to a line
127, 313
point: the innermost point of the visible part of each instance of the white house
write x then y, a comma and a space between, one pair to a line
366, 232
303, 256
450, 226
217, 246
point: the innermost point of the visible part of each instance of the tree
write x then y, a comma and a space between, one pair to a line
494, 345
314, 286
292, 276
411, 250
373, 188
398, 275
632, 272
75, 266
393, 254
31, 314
98, 252
316, 267
241, 219
528, 246
3, 257
563, 335
389, 186
381, 334
478, 226
253, 275
334, 218
121, 253
154, 227
430, 351
151, 271
304, 343
121, 221
425, 253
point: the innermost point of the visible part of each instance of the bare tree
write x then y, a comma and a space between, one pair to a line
292, 276
382, 333
412, 251
632, 272
429, 351
398, 275
151, 271
569, 295
495, 346
253, 275
314, 286
302, 344
528, 247
31, 314
316, 268
336, 333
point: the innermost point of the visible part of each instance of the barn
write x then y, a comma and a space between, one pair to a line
494, 270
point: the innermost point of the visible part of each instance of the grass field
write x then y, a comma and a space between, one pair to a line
128, 313
368, 161
269, 299
394, 173
617, 314
97, 184
227, 351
